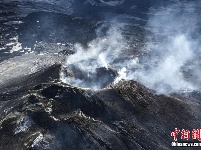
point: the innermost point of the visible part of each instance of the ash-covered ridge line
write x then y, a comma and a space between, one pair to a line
115, 49
56, 116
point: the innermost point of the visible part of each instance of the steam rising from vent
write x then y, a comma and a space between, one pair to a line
100, 53
168, 66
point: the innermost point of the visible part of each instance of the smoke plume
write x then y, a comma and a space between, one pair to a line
169, 65
173, 49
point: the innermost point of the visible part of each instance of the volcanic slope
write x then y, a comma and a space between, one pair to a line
47, 114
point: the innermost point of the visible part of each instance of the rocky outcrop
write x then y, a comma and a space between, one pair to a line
53, 115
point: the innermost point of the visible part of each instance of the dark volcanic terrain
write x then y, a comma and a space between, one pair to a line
48, 114
39, 111
53, 115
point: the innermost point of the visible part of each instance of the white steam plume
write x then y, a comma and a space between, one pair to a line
172, 30
165, 68
101, 52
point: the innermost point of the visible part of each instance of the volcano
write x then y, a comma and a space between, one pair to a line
99, 74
